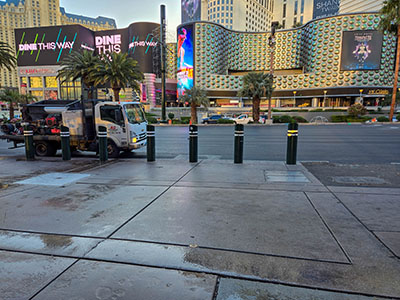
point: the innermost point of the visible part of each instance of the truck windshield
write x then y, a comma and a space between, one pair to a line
134, 113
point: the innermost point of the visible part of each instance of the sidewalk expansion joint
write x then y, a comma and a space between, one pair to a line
154, 200
347, 263
219, 274
361, 222
329, 229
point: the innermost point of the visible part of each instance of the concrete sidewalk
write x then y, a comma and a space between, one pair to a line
130, 229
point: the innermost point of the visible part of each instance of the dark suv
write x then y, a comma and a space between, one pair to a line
212, 119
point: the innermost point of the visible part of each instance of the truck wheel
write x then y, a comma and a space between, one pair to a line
112, 149
45, 149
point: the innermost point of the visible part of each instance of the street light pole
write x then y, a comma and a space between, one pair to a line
271, 69
325, 97
361, 100
294, 97
163, 63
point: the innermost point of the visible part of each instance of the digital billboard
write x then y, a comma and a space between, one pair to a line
361, 50
185, 59
142, 45
50, 45
325, 8
191, 10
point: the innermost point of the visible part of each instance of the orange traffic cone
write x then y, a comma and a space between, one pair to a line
190, 122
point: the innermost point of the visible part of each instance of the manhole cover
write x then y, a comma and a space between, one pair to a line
285, 176
358, 180
54, 179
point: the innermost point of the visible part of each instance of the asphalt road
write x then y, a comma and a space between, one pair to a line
365, 144
334, 143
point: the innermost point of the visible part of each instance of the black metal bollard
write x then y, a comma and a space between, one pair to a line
239, 140
151, 143
29, 147
102, 135
193, 145
65, 143
292, 134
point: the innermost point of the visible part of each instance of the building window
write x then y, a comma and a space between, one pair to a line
294, 21
284, 11
301, 19
302, 7
295, 7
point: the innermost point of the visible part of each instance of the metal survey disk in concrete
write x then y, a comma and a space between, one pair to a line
233, 289
264, 222
54, 179
99, 280
23, 275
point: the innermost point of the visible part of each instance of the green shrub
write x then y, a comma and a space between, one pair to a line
356, 110
171, 116
225, 121
339, 118
299, 119
185, 120
398, 117
334, 110
317, 110
176, 121
382, 119
152, 120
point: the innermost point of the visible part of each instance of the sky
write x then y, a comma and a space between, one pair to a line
126, 12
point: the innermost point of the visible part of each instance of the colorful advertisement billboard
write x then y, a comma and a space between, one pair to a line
191, 10
361, 50
185, 59
325, 8
44, 46
48, 46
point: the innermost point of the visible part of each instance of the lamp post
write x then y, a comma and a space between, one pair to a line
361, 100
163, 63
325, 97
294, 97
271, 69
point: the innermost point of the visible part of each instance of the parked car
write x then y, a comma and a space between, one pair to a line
213, 119
242, 119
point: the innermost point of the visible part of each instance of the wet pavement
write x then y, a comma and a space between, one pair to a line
214, 230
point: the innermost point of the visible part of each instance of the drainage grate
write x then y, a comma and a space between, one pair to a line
53, 179
285, 176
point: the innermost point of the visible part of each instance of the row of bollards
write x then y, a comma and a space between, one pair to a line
291, 152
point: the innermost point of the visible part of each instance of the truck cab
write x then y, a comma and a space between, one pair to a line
125, 123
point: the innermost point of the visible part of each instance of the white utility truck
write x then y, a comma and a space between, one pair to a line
125, 123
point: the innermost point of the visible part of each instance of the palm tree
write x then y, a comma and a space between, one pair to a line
390, 21
118, 70
7, 57
28, 98
12, 97
196, 97
79, 65
256, 86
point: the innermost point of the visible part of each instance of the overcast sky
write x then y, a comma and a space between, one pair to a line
126, 12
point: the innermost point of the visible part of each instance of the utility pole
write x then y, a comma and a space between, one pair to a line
271, 69
163, 63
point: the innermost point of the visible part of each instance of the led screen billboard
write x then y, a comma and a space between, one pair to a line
44, 46
361, 50
191, 10
47, 46
325, 8
185, 59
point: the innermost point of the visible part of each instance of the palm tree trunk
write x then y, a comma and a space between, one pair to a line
11, 110
396, 76
256, 109
116, 94
193, 113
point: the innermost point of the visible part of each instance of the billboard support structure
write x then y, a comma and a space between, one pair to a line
163, 64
